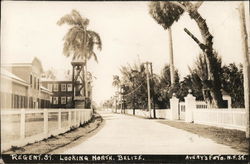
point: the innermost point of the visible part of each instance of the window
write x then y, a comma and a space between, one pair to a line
69, 87
31, 80
50, 87
55, 88
50, 99
34, 82
63, 87
55, 100
69, 99
63, 100
38, 85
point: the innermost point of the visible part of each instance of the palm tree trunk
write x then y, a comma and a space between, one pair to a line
86, 80
171, 57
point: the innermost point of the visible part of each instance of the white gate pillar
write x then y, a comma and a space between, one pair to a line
190, 106
174, 103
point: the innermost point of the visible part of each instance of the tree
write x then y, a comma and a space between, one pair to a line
200, 75
116, 81
50, 74
79, 42
165, 87
165, 13
232, 83
133, 77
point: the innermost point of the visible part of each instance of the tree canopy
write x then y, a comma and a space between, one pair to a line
79, 42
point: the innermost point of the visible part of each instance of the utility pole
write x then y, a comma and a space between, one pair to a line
171, 56
148, 87
153, 92
246, 67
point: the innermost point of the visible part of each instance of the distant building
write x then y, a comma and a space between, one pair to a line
62, 93
21, 86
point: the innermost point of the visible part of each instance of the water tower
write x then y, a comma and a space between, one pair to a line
78, 83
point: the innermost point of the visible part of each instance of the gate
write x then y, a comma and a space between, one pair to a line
181, 111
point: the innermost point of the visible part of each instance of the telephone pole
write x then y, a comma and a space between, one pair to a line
153, 92
148, 88
246, 67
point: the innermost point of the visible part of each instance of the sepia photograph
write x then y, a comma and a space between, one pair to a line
125, 81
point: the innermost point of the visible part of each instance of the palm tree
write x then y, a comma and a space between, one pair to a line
166, 13
116, 81
200, 75
79, 42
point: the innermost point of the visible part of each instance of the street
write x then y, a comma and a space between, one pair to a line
123, 134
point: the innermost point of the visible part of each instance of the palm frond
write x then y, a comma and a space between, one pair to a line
165, 13
96, 38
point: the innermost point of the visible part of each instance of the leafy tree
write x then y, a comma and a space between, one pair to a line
200, 75
165, 87
167, 12
133, 78
232, 82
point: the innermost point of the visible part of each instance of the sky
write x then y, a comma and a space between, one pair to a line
129, 34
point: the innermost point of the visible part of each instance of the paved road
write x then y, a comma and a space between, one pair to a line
123, 134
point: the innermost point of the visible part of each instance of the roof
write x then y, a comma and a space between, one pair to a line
24, 61
7, 74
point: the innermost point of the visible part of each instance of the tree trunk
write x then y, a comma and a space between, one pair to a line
215, 85
171, 57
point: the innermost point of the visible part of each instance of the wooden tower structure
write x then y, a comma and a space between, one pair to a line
78, 83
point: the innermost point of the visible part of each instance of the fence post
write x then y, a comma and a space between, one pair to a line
79, 118
174, 102
59, 119
75, 123
22, 124
190, 106
69, 118
45, 122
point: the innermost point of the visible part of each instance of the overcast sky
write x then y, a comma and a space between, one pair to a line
129, 34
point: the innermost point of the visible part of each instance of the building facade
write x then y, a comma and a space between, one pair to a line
21, 86
62, 93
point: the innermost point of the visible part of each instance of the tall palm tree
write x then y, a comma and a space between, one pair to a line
79, 42
161, 13
166, 13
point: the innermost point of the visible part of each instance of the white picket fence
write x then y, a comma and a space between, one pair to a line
23, 126
160, 113
227, 118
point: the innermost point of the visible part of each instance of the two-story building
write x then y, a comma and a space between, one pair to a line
62, 93
22, 82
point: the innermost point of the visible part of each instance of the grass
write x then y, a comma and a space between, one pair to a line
233, 138
60, 141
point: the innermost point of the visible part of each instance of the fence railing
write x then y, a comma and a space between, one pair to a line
201, 105
160, 113
23, 126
